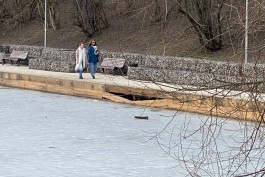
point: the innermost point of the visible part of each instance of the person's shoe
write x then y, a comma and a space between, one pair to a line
80, 77
93, 77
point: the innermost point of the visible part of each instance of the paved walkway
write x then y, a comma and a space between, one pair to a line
124, 81
100, 78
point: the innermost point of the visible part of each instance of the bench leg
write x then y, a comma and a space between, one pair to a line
3, 61
18, 62
115, 70
11, 62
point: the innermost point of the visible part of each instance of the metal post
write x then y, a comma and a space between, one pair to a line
246, 34
45, 24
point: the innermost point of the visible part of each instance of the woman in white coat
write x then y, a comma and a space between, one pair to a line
80, 59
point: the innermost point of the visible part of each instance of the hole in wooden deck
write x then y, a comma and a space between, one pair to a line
135, 97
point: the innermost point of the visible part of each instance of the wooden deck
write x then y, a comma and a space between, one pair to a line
120, 89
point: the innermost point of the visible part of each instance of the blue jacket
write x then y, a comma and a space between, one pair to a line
92, 58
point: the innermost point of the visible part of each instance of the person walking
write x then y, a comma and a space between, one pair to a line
93, 55
80, 59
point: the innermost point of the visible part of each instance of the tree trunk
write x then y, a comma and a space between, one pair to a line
20, 11
91, 16
54, 14
207, 25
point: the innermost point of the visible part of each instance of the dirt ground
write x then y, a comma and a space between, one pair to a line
127, 33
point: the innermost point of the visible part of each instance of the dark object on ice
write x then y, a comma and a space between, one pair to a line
141, 117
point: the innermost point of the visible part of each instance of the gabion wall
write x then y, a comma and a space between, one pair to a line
63, 60
198, 72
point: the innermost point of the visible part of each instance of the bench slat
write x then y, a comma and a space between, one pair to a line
19, 54
112, 63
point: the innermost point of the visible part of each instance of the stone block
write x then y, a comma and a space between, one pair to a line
4, 49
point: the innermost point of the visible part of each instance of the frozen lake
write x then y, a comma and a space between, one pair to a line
49, 135
56, 135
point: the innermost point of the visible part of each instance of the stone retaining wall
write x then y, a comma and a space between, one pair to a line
51, 65
52, 59
63, 60
197, 72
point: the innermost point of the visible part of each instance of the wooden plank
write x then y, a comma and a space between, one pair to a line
114, 98
19, 55
112, 63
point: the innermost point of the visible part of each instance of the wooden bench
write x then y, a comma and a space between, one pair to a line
112, 63
16, 56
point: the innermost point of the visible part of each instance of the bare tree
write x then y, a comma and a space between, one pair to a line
206, 19
213, 145
91, 16
18, 12
216, 146
54, 16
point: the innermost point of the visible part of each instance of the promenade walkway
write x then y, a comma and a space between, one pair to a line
100, 78
120, 89
121, 81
